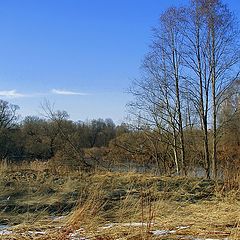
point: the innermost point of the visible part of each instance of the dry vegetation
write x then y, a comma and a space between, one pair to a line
111, 205
185, 115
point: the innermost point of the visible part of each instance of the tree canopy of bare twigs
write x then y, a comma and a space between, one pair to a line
187, 75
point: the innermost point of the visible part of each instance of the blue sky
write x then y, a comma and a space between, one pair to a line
81, 55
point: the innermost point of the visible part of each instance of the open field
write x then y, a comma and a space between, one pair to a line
39, 203
109, 134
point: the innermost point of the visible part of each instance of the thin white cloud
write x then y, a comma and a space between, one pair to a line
15, 94
11, 94
66, 92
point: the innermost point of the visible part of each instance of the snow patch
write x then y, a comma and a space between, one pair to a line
162, 232
36, 233
76, 235
132, 224
182, 227
5, 232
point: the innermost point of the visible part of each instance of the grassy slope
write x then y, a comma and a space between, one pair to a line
29, 195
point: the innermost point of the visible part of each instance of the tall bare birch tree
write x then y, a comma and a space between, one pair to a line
222, 53
197, 72
159, 93
194, 57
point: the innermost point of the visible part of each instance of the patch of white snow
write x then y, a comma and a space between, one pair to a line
5, 232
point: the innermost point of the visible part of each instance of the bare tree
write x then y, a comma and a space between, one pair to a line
171, 26
193, 58
158, 95
223, 58
59, 117
197, 72
8, 115
154, 112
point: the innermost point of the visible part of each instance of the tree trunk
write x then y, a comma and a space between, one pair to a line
214, 106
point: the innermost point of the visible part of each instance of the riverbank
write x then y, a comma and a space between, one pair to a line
39, 203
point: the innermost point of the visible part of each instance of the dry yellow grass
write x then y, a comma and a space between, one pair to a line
135, 205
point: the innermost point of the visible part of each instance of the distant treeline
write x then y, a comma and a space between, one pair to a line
90, 144
39, 138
